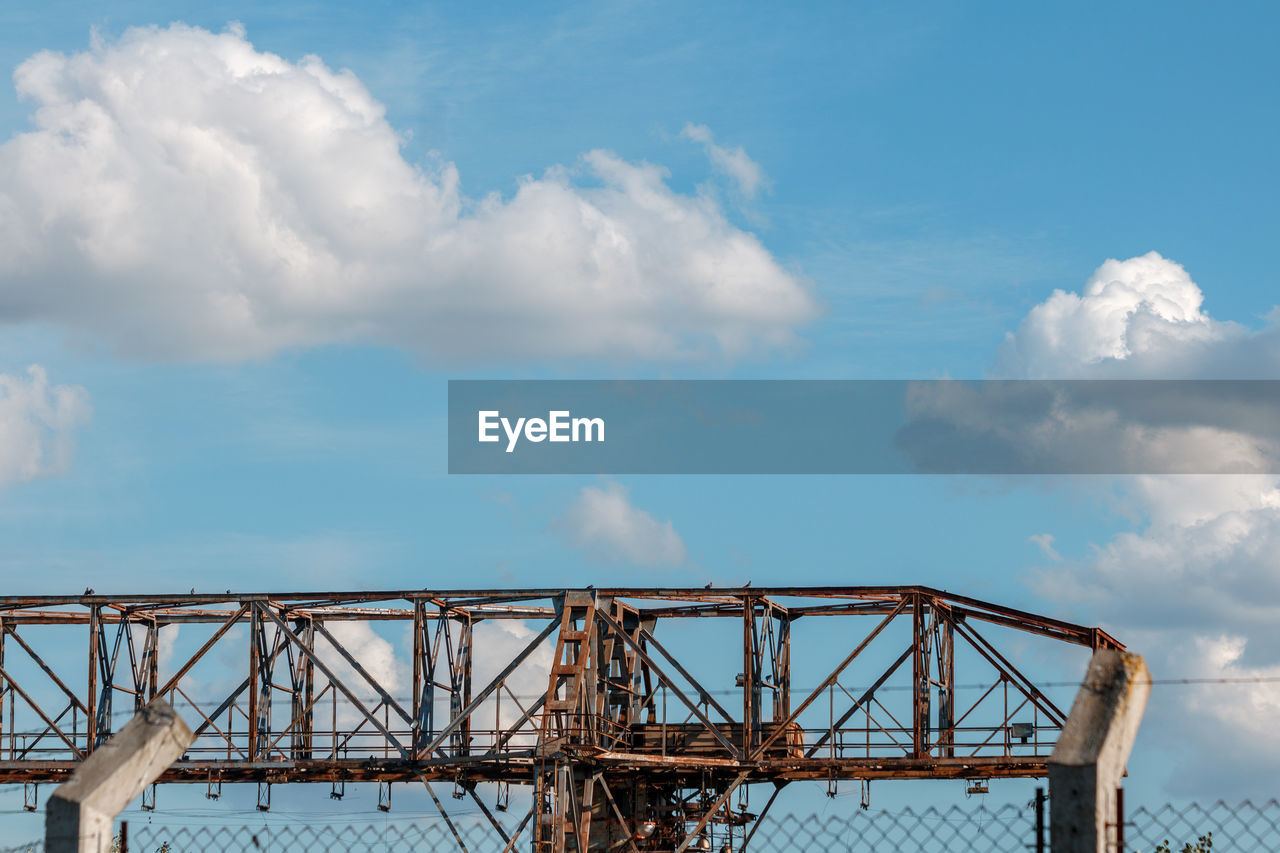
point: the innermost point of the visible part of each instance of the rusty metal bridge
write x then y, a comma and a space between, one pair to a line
632, 714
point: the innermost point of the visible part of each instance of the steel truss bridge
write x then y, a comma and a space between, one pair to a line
634, 715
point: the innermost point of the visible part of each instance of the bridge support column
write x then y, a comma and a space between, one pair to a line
1090, 756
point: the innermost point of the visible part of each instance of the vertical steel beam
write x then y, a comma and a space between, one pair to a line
255, 624
91, 698
153, 673
582, 829
266, 669
751, 672
426, 660
309, 689
13, 732
750, 678
107, 660
151, 666
142, 664
421, 674
460, 686
607, 700
302, 681
782, 669
920, 681
645, 681
4, 688
944, 639
542, 809
592, 677
625, 679
255, 667
563, 814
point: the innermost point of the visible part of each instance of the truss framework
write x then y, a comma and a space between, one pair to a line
622, 744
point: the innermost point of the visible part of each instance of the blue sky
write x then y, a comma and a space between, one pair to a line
931, 174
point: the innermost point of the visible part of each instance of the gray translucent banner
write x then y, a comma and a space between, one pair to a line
864, 427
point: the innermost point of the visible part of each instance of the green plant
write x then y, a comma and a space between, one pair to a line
1203, 845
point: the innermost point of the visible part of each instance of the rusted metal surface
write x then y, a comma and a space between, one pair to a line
630, 723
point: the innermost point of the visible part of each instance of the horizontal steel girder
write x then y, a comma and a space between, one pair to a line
618, 698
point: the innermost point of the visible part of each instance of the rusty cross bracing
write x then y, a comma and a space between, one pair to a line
632, 714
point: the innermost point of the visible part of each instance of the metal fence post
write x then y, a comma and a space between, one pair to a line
1119, 819
1040, 798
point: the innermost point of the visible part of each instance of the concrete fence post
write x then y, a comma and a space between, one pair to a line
1090, 756
79, 815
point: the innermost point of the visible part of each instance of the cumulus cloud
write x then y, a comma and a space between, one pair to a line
37, 422
1196, 586
1205, 559
1197, 590
1141, 318
1240, 743
747, 175
375, 653
184, 195
604, 522
496, 643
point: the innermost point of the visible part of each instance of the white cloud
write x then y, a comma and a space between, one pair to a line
1138, 318
497, 642
378, 657
1196, 588
1241, 744
184, 195
1195, 565
746, 173
375, 653
1044, 541
604, 522
166, 643
36, 425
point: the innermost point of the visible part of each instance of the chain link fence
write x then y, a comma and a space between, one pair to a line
1243, 828
1003, 830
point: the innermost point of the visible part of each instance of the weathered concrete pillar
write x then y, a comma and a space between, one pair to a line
1089, 759
80, 813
